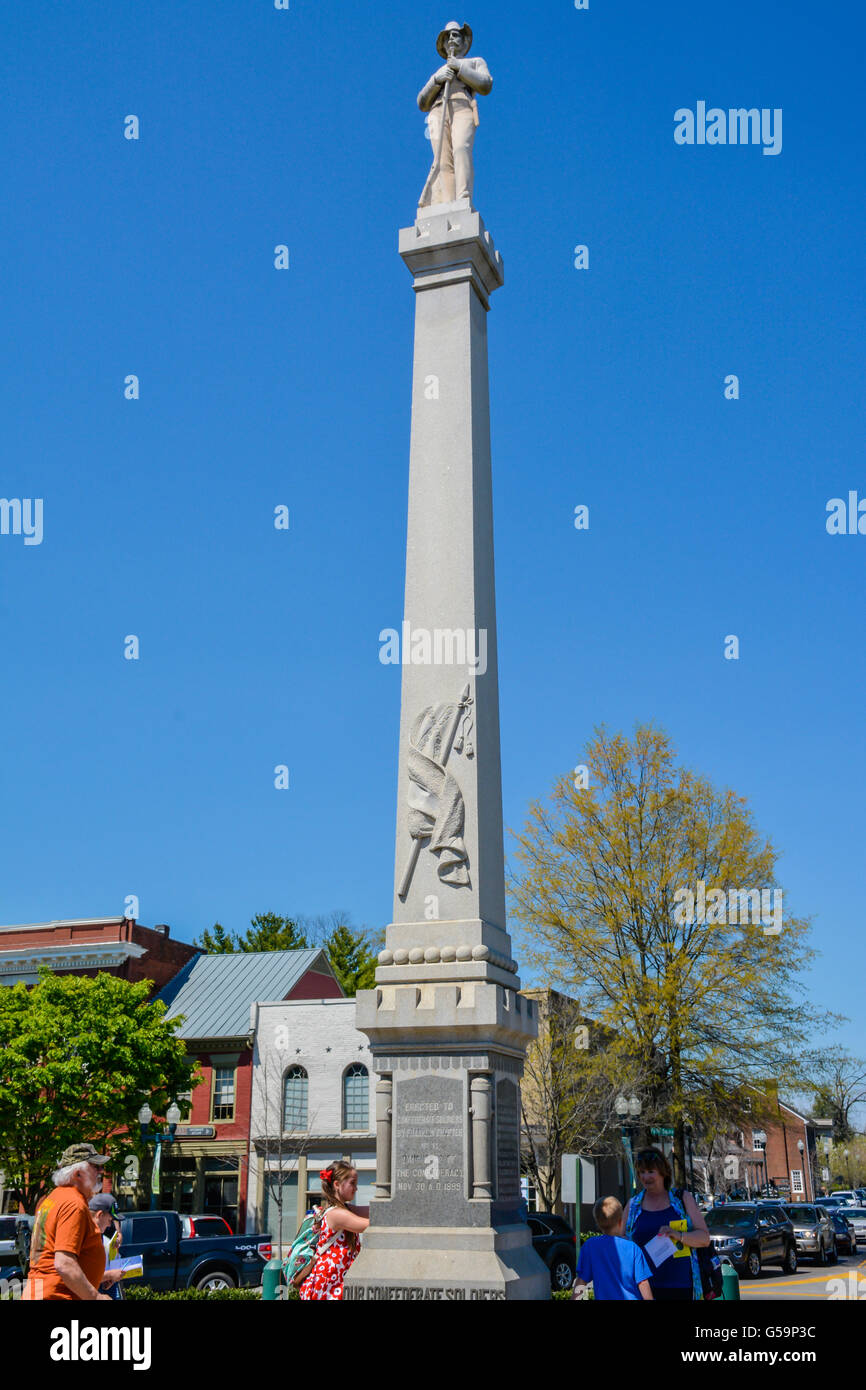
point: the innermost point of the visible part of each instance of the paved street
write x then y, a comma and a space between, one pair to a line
845, 1280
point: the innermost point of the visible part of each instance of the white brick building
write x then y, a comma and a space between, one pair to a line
312, 1102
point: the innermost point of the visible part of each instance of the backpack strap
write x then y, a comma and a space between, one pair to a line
677, 1196
634, 1211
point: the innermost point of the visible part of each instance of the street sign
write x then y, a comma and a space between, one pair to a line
662, 1132
569, 1179
194, 1132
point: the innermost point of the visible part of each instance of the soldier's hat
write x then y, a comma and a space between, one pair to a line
453, 28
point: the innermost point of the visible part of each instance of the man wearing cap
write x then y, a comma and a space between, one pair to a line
469, 76
105, 1214
67, 1257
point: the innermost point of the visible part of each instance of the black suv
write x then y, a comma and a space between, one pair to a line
751, 1235
555, 1242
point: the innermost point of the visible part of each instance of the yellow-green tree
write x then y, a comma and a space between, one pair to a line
600, 889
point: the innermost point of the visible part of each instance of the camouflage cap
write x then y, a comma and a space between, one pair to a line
82, 1153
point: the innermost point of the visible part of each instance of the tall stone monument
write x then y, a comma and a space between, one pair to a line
447, 1026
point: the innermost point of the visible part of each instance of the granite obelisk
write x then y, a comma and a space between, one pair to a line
447, 1026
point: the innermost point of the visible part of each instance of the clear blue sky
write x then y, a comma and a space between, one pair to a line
261, 387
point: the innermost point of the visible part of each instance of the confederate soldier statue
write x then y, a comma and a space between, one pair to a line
451, 98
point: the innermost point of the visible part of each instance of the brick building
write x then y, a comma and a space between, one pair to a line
784, 1151
313, 1102
774, 1150
206, 1169
90, 946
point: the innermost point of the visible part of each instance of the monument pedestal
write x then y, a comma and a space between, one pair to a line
447, 1027
446, 1219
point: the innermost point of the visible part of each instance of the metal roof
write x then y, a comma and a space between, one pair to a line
214, 993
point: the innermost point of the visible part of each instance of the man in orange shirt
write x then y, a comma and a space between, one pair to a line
67, 1257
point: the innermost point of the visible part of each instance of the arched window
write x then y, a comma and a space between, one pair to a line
356, 1097
296, 1089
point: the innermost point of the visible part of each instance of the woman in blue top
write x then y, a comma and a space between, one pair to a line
650, 1212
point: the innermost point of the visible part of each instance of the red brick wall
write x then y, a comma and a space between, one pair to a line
238, 1128
163, 960
784, 1130
316, 986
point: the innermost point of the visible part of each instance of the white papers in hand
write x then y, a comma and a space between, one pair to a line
659, 1249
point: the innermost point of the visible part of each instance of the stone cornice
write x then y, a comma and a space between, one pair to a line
87, 955
66, 922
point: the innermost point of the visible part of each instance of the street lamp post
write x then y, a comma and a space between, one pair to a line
157, 1137
628, 1108
807, 1168
691, 1158
848, 1165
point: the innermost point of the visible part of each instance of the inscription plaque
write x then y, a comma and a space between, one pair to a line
425, 1293
429, 1168
507, 1142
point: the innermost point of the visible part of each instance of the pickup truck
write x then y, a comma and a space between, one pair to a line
174, 1261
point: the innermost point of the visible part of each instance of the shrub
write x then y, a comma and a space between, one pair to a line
143, 1293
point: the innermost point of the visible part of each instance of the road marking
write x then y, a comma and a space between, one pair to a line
790, 1283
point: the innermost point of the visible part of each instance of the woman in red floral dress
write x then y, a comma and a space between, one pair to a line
339, 1239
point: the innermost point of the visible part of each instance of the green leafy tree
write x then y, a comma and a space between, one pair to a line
268, 932
216, 941
572, 1076
352, 958
841, 1092
600, 869
78, 1058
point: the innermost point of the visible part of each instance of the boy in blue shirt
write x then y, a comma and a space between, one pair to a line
616, 1268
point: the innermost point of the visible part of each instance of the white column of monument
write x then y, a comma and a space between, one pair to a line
446, 1024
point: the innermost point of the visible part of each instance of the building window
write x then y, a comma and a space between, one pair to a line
529, 1194
295, 1099
224, 1093
356, 1097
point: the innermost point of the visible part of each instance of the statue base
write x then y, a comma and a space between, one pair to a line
447, 1220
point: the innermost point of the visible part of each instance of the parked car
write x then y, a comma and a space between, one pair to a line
556, 1243
847, 1195
775, 1204
857, 1217
9, 1236
15, 1232
846, 1232
814, 1231
831, 1202
752, 1236
175, 1261
204, 1226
